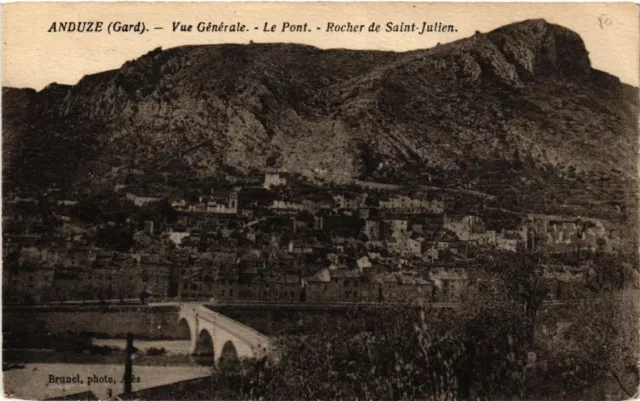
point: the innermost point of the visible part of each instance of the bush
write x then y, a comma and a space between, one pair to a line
404, 354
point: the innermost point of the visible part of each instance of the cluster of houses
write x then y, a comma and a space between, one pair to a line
273, 243
52, 276
49, 277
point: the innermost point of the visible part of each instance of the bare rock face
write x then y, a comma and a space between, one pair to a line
523, 95
537, 48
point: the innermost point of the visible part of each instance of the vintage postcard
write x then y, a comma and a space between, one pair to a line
320, 201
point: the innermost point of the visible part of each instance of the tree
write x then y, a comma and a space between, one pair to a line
518, 278
600, 348
115, 238
496, 338
610, 273
86, 211
157, 212
596, 343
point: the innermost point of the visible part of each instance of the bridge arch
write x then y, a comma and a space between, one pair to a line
204, 344
184, 330
229, 354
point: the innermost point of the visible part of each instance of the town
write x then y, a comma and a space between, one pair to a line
275, 239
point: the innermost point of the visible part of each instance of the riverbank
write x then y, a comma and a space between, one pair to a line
48, 356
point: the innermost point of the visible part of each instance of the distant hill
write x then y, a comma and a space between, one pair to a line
517, 112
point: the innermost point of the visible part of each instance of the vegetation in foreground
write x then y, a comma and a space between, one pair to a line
500, 345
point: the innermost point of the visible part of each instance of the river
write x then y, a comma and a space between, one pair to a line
34, 381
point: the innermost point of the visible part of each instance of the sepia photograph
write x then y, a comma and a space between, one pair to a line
320, 201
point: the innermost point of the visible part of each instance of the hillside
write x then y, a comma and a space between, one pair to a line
518, 113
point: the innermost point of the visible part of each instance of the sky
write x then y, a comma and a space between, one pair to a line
33, 57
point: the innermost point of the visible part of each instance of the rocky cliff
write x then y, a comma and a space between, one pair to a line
520, 104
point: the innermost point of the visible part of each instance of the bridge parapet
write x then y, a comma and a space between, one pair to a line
233, 324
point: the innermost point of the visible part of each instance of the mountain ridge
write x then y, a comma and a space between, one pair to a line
522, 98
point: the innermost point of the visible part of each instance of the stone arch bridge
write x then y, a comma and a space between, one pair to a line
219, 337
